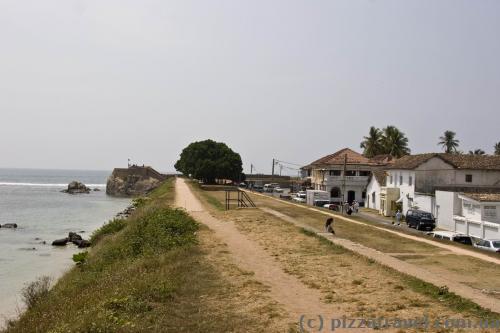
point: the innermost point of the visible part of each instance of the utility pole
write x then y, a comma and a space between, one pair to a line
343, 180
251, 169
281, 168
272, 172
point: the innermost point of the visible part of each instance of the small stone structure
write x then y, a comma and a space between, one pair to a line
133, 181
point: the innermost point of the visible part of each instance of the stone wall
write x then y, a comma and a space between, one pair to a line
133, 181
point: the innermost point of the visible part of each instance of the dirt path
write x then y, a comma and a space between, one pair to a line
451, 248
462, 290
296, 298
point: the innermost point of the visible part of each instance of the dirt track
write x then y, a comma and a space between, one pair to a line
296, 298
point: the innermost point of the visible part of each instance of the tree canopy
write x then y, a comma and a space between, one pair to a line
497, 148
477, 152
209, 160
390, 141
448, 142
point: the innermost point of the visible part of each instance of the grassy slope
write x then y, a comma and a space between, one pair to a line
157, 272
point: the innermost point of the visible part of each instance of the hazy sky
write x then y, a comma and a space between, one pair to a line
87, 84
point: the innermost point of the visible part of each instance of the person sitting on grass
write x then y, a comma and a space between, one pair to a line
329, 225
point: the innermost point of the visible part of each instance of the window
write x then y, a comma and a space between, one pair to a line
410, 180
364, 173
350, 173
490, 212
335, 173
335, 192
400, 179
390, 180
468, 178
363, 195
373, 198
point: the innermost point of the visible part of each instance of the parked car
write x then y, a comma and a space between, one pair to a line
419, 219
492, 245
258, 188
278, 190
300, 196
332, 206
452, 236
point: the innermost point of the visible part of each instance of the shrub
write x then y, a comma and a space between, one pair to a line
80, 258
35, 291
112, 227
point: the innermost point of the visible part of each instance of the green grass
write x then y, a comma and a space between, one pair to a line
144, 274
210, 199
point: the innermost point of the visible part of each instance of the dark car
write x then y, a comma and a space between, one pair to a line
420, 220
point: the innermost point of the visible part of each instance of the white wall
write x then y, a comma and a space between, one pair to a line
445, 203
405, 189
373, 187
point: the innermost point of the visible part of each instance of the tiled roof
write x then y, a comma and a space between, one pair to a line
488, 197
338, 159
380, 176
458, 161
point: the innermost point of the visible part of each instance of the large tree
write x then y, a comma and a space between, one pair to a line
209, 160
497, 148
372, 144
394, 142
448, 141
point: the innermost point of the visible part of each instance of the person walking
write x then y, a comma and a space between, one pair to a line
398, 217
356, 206
329, 225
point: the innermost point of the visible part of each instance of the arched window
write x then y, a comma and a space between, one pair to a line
335, 192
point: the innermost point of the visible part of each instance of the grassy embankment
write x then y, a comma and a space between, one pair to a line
356, 285
157, 271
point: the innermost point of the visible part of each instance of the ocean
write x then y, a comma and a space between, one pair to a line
33, 199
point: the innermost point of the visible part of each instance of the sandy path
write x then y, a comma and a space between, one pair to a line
460, 289
451, 248
295, 297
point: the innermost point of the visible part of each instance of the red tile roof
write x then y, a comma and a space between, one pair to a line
458, 161
338, 159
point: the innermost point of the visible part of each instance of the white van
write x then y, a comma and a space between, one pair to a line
452, 236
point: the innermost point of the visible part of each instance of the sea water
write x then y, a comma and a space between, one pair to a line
33, 200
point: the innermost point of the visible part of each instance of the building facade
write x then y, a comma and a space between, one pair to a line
473, 214
344, 175
416, 177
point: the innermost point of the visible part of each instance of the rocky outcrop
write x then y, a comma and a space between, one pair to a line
133, 181
9, 225
76, 187
74, 238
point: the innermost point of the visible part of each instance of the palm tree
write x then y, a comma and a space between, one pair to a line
477, 152
395, 142
497, 148
449, 143
372, 144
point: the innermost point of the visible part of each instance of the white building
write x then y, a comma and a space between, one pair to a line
473, 214
344, 174
418, 176
375, 183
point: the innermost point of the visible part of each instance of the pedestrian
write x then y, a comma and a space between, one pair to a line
329, 225
356, 206
398, 217
346, 207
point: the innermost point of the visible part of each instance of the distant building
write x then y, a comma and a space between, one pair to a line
473, 214
375, 183
344, 174
417, 177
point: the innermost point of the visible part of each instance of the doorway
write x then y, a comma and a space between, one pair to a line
351, 196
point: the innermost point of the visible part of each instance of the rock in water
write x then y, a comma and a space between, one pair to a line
76, 187
60, 242
9, 225
133, 181
74, 237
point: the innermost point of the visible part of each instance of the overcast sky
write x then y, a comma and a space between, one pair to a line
87, 84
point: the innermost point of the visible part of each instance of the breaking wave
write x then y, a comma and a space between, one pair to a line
46, 185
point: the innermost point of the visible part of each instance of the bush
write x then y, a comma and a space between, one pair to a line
80, 258
159, 230
109, 228
35, 291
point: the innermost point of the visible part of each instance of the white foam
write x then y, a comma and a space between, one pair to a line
46, 185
